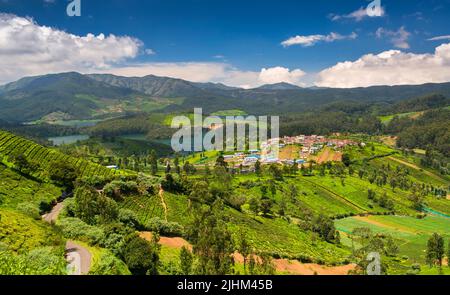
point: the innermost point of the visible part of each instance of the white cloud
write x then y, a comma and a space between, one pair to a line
358, 15
392, 67
280, 74
27, 48
311, 40
398, 38
440, 38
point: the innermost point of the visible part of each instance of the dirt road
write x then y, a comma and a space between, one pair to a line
163, 201
79, 259
53, 215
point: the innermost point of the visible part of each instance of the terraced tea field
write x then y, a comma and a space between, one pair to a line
411, 233
14, 145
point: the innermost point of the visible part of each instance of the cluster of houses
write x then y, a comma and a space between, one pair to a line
308, 146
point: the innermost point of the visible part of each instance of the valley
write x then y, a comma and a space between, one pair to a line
96, 188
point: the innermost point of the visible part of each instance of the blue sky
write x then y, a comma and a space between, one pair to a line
244, 37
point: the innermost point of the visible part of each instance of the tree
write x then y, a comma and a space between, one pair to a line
261, 265
276, 172
244, 248
293, 192
153, 162
200, 193
212, 241
186, 261
435, 250
141, 256
220, 162
448, 254
258, 168
266, 205
391, 247
23, 165
417, 201
168, 168
254, 205
346, 159
282, 207
63, 174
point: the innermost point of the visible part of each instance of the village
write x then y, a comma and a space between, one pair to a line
299, 149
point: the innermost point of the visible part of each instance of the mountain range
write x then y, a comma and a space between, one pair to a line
76, 96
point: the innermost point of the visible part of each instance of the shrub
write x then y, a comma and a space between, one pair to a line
74, 228
118, 188
163, 227
110, 265
129, 218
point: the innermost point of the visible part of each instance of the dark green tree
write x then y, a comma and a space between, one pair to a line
141, 256
435, 250
186, 261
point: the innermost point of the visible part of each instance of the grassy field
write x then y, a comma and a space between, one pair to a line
387, 119
412, 234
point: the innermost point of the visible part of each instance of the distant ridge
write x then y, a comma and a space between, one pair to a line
76, 96
279, 86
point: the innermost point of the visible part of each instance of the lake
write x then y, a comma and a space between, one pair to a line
61, 140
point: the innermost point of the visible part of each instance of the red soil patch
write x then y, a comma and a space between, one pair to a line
290, 152
281, 265
328, 155
297, 268
169, 242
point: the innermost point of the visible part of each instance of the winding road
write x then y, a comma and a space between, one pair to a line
77, 256
79, 259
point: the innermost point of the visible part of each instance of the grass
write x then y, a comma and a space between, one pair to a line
411, 234
387, 119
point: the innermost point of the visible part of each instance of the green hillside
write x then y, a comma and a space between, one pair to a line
12, 146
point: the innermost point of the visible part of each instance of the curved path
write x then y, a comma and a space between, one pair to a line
77, 256
53, 215
79, 259
163, 201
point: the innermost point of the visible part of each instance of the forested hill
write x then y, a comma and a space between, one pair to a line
76, 96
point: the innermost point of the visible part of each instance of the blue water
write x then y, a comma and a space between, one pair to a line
61, 140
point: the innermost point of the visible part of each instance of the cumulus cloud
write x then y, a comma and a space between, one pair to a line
392, 67
27, 48
398, 38
311, 40
280, 74
358, 15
